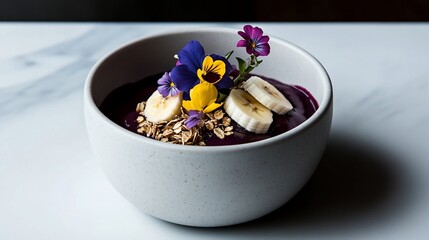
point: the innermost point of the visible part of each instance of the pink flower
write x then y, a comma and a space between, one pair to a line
254, 41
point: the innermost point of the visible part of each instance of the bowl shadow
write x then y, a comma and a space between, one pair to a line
355, 188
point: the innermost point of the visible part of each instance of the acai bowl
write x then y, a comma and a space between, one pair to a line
200, 185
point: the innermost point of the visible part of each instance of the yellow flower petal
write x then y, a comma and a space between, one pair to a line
218, 67
200, 75
207, 63
189, 105
212, 107
202, 95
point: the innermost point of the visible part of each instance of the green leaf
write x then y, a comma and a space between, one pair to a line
221, 97
241, 65
229, 54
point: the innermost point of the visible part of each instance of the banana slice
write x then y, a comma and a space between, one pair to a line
248, 112
268, 95
160, 109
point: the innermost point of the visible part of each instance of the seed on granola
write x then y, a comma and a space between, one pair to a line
192, 131
210, 115
140, 119
178, 125
201, 143
167, 132
226, 121
219, 133
158, 136
186, 135
228, 129
174, 120
161, 123
167, 126
177, 130
164, 139
153, 129
148, 133
209, 125
200, 124
228, 133
177, 137
158, 132
218, 114
140, 107
195, 135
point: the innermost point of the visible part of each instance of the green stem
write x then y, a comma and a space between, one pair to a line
240, 78
252, 65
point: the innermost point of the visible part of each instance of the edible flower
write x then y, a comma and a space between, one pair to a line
254, 42
256, 45
166, 86
203, 100
193, 119
195, 67
212, 70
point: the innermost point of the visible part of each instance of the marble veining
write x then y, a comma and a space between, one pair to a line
51, 188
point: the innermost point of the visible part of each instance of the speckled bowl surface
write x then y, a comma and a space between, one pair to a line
206, 186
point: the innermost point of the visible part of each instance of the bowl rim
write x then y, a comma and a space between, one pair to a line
324, 105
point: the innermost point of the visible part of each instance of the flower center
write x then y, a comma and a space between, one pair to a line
210, 77
253, 44
172, 84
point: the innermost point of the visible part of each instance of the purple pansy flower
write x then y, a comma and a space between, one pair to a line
194, 118
254, 41
166, 86
191, 59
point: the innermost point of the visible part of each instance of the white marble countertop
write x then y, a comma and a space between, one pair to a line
372, 182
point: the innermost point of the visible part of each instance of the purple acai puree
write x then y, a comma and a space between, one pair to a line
120, 105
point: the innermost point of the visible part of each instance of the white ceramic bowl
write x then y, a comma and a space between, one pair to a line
206, 186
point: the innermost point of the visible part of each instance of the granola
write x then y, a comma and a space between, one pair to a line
176, 132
